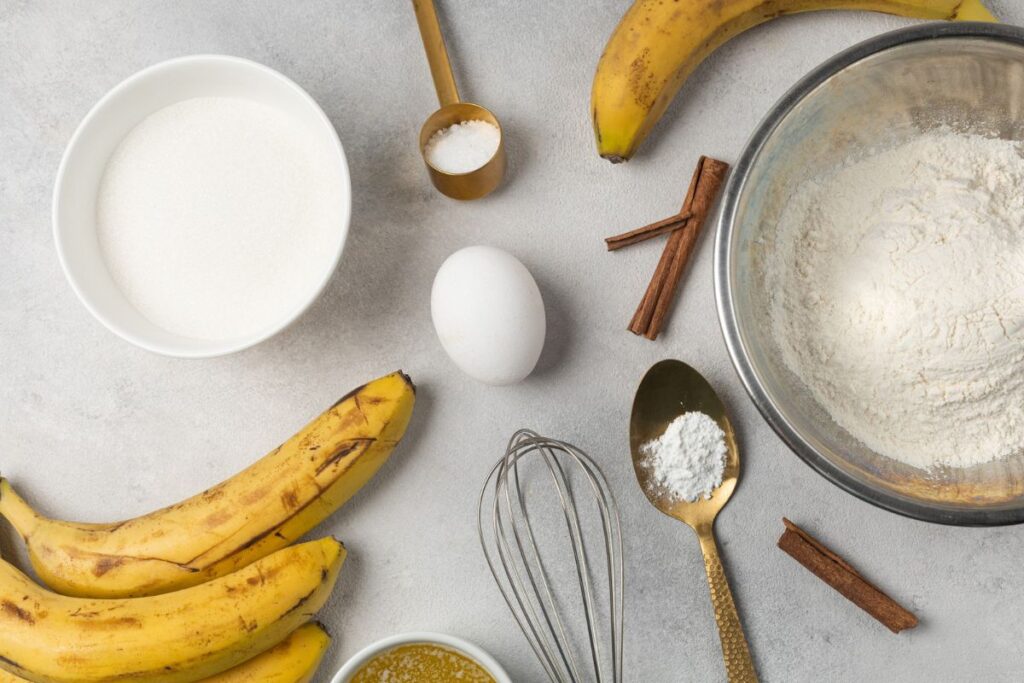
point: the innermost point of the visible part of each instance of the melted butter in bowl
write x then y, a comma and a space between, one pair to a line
421, 662
420, 657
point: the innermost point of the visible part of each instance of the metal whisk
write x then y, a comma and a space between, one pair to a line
510, 542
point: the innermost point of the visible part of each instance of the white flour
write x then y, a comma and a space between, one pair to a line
688, 460
216, 216
898, 297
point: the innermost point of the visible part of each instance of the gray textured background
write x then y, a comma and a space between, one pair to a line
95, 429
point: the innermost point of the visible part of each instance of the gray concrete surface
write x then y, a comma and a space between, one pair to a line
95, 429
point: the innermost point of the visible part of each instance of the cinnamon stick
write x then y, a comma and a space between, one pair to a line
645, 311
837, 573
655, 229
654, 308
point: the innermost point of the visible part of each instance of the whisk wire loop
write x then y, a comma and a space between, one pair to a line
534, 563
522, 575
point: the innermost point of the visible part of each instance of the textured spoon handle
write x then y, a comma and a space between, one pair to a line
738, 664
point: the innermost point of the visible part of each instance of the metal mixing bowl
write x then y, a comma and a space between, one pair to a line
969, 77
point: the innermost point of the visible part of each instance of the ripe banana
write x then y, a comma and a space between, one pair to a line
659, 43
261, 509
294, 660
174, 638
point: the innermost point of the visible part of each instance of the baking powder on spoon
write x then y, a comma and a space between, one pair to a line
687, 461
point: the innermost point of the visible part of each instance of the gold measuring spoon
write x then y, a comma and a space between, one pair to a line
668, 390
477, 183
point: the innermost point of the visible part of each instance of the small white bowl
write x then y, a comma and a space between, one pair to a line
450, 642
103, 128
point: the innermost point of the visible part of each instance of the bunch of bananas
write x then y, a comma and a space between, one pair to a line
659, 43
209, 588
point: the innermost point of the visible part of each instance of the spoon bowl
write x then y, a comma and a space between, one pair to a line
669, 389
480, 181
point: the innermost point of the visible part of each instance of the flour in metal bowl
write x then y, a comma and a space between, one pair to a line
897, 296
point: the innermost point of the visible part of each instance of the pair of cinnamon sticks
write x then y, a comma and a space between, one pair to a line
685, 228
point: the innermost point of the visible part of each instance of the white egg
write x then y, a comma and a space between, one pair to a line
488, 314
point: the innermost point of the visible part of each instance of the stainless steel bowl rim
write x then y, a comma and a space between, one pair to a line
725, 298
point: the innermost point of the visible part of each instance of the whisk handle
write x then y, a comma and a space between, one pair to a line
738, 664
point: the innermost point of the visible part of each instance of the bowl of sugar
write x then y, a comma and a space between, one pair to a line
201, 206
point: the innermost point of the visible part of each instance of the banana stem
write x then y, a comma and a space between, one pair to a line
15, 510
973, 10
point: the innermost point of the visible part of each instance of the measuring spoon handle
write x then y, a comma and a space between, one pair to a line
437, 54
738, 664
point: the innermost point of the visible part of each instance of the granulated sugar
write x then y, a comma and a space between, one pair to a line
217, 216
688, 460
463, 147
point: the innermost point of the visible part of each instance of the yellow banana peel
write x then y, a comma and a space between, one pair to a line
659, 43
294, 660
261, 509
179, 637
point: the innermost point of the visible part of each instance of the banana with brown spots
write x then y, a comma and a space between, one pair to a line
179, 637
659, 43
259, 510
294, 660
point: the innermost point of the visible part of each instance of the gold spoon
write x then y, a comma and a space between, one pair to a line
668, 390
479, 182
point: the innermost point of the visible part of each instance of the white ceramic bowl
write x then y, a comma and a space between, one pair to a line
107, 123
450, 642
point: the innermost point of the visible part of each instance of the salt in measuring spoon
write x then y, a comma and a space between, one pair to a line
481, 181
